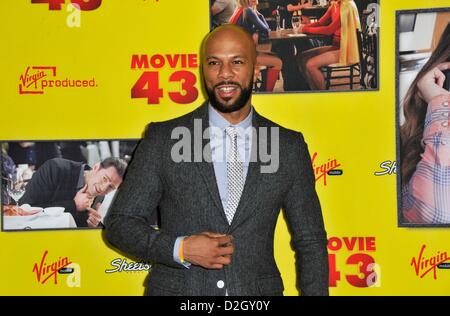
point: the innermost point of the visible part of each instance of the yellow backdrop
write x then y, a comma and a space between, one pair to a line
355, 130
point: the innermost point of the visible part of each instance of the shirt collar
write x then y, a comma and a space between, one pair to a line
80, 182
217, 120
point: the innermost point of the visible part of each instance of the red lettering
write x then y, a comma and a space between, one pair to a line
363, 261
157, 61
147, 86
334, 244
49, 270
192, 60
366, 275
423, 265
85, 5
370, 244
334, 274
188, 80
139, 61
52, 4
321, 171
173, 60
350, 242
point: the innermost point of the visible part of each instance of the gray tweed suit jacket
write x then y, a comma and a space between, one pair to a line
187, 197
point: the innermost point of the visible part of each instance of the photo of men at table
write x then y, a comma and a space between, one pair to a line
80, 176
308, 45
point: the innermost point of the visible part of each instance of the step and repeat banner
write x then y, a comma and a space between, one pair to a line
81, 79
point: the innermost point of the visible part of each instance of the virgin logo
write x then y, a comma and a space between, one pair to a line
424, 265
29, 81
322, 170
46, 270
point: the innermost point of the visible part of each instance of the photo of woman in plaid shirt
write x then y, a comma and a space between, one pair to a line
425, 142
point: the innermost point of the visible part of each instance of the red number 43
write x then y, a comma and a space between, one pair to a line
367, 274
147, 86
84, 5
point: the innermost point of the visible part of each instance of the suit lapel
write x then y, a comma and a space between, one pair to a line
206, 169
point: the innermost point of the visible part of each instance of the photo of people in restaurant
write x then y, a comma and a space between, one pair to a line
423, 117
60, 184
308, 45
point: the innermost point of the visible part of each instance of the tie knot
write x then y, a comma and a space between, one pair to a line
231, 131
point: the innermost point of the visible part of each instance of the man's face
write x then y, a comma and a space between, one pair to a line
228, 69
102, 181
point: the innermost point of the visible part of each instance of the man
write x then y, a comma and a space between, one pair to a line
74, 186
216, 234
286, 9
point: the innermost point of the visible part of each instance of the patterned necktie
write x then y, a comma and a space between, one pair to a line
235, 175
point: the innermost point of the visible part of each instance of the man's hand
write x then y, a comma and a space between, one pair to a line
208, 250
94, 217
82, 200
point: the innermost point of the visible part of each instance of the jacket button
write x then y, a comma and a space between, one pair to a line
220, 284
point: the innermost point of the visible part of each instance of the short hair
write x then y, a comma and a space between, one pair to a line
119, 164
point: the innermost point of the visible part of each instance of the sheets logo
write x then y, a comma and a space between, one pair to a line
122, 265
353, 258
50, 270
322, 170
37, 79
423, 264
387, 167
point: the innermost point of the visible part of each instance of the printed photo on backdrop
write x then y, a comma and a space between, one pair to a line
308, 45
423, 117
60, 184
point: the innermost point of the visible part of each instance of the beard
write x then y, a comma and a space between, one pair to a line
240, 102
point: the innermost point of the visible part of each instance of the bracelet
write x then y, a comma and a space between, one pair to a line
181, 252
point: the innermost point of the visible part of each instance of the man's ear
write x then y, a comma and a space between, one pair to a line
96, 167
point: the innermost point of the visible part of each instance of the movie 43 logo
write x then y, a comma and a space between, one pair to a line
365, 271
84, 5
180, 67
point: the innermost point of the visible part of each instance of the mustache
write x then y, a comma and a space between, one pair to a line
234, 83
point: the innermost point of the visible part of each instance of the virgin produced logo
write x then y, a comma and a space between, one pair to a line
37, 79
